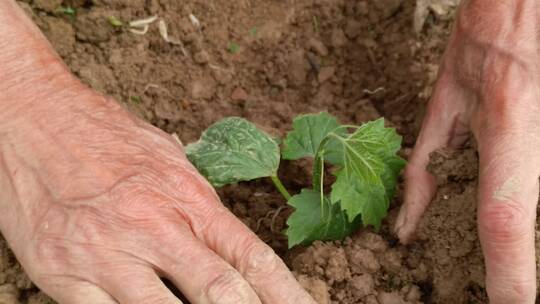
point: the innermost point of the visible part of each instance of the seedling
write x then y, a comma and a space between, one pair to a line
115, 21
364, 159
253, 31
68, 10
135, 99
233, 47
316, 24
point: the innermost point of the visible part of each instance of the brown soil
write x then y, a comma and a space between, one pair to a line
444, 266
358, 60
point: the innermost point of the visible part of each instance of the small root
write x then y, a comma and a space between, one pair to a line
259, 222
274, 217
215, 67
373, 92
274, 214
165, 35
142, 31
141, 26
143, 22
150, 86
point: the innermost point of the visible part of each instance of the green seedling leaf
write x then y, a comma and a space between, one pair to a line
316, 24
233, 47
66, 11
253, 31
308, 133
359, 198
135, 99
366, 182
234, 150
367, 169
115, 21
314, 220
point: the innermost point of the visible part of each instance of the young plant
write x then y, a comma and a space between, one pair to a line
365, 163
115, 22
233, 47
66, 10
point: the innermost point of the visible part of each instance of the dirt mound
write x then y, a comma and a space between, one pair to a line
444, 266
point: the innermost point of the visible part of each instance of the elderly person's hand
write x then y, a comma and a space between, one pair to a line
489, 83
98, 205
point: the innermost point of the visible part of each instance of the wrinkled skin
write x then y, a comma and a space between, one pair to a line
98, 205
98, 209
489, 83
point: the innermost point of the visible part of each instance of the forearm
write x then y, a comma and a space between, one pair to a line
30, 70
501, 8
40, 101
501, 21
492, 38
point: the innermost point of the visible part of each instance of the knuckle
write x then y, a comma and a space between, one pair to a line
188, 186
228, 288
259, 261
54, 257
504, 223
512, 292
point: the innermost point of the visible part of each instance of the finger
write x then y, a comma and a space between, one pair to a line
140, 285
255, 260
81, 292
444, 126
201, 275
508, 195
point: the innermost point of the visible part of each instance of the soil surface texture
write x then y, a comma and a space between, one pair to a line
269, 61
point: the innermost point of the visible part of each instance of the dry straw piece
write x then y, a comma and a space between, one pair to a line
140, 27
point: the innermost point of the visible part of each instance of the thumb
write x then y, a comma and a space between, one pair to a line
443, 126
508, 195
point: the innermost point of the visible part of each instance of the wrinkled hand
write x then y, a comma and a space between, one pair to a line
489, 83
99, 205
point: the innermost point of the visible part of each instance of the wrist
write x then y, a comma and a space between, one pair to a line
509, 28
30, 70
502, 5
499, 17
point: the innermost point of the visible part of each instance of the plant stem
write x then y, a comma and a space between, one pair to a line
321, 184
279, 185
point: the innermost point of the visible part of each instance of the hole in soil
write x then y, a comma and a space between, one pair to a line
175, 291
477, 294
427, 288
26, 294
393, 241
88, 4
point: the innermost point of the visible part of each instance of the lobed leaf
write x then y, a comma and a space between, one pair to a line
357, 198
310, 223
234, 150
308, 132
366, 182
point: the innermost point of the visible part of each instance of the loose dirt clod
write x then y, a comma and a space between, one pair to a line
444, 266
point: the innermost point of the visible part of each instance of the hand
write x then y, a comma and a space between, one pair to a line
489, 83
98, 205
